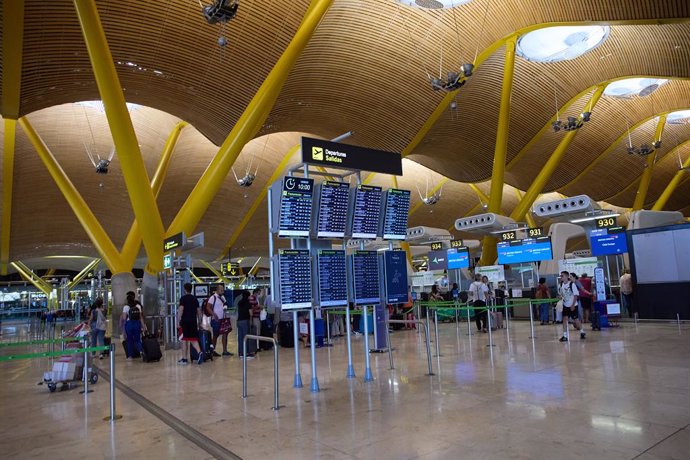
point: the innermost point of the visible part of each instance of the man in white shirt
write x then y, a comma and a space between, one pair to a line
216, 305
479, 293
569, 295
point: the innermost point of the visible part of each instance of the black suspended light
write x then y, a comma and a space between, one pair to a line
570, 123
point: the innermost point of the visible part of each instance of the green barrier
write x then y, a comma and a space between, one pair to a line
48, 354
342, 312
39, 342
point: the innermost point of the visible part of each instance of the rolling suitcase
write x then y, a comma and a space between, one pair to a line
151, 349
266, 331
286, 336
205, 345
595, 319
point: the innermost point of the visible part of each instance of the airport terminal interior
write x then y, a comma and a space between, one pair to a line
345, 229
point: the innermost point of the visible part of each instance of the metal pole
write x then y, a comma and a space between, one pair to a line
312, 340
428, 347
276, 404
113, 415
531, 321
368, 377
678, 319
295, 331
390, 347
438, 348
244, 366
635, 318
488, 326
608, 272
469, 329
350, 368
457, 319
328, 329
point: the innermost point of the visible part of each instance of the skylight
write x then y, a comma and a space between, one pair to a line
679, 117
98, 105
631, 87
553, 44
434, 4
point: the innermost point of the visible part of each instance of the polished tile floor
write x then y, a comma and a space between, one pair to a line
622, 394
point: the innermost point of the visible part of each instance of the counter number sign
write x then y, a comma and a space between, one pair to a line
456, 244
508, 236
436, 246
606, 222
535, 232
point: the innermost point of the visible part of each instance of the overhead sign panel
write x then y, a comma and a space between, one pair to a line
523, 251
608, 241
344, 156
295, 207
395, 214
332, 278
230, 268
333, 204
174, 242
438, 260
458, 258
295, 279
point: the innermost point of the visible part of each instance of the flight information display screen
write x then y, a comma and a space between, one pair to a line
458, 258
333, 204
395, 268
365, 277
332, 278
523, 251
365, 215
295, 207
295, 279
608, 241
395, 215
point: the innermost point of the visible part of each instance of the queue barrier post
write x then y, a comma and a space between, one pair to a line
488, 326
438, 347
426, 332
531, 321
259, 338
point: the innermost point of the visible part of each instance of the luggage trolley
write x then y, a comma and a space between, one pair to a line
68, 370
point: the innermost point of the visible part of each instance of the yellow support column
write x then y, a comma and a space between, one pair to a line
7, 187
501, 148
130, 249
528, 217
93, 228
671, 187
124, 137
37, 279
248, 124
80, 276
29, 278
550, 166
641, 195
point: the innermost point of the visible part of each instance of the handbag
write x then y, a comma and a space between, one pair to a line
225, 326
263, 314
206, 323
559, 306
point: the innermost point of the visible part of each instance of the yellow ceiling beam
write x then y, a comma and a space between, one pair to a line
641, 195
251, 272
80, 276
130, 249
93, 228
277, 173
671, 187
196, 278
611, 148
528, 216
215, 272
7, 190
31, 278
537, 187
125, 139
247, 125
21, 265
12, 51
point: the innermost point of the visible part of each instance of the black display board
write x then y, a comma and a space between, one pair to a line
395, 276
365, 277
331, 219
438, 260
333, 154
295, 279
332, 270
396, 211
295, 207
366, 212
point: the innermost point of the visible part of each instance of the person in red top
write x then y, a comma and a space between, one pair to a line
586, 296
543, 293
256, 312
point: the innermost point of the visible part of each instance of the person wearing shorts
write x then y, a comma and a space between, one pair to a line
188, 314
215, 306
569, 295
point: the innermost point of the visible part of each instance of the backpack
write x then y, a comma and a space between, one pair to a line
134, 313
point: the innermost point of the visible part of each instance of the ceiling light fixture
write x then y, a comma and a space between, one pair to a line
219, 10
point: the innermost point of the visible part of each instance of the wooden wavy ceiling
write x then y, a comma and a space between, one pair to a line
364, 70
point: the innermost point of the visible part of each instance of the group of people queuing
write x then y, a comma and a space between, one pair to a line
212, 316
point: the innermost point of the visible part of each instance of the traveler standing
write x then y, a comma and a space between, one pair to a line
627, 292
98, 324
188, 313
569, 294
215, 305
480, 293
256, 313
244, 308
586, 296
133, 317
543, 293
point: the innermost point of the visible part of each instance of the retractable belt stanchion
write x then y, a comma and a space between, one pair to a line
85, 373
350, 368
488, 326
531, 321
469, 328
259, 338
368, 377
438, 347
426, 333
295, 331
312, 340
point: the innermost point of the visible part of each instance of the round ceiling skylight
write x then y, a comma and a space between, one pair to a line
553, 44
434, 4
631, 87
680, 117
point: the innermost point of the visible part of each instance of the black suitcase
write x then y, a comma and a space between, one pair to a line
286, 336
397, 326
151, 349
595, 319
205, 345
266, 331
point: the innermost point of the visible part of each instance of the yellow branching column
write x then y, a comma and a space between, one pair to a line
501, 149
